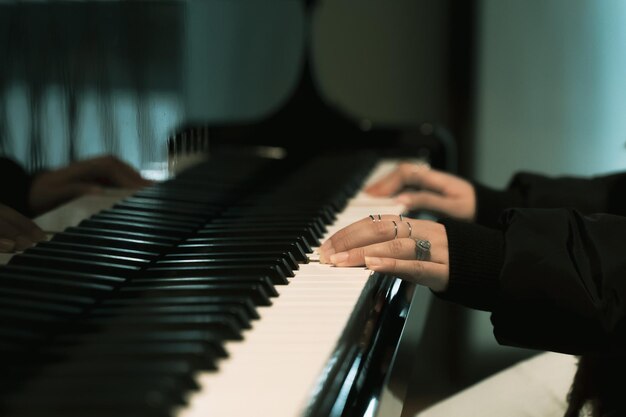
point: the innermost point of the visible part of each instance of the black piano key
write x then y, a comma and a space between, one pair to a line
51, 285
292, 248
88, 256
249, 261
158, 279
76, 276
54, 262
94, 249
111, 242
203, 337
102, 232
237, 312
125, 216
33, 295
277, 275
125, 305
200, 356
285, 257
306, 234
250, 221
142, 229
254, 292
266, 241
151, 216
79, 400
222, 325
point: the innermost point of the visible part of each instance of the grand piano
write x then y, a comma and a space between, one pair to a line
201, 294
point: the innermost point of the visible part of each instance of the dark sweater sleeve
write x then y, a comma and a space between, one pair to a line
602, 194
554, 279
15, 186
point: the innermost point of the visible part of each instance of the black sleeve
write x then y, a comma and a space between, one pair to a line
15, 186
603, 194
554, 279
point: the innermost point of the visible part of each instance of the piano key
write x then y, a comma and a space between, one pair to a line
254, 292
151, 216
243, 261
55, 262
144, 229
263, 281
79, 248
126, 305
106, 232
255, 233
245, 241
276, 274
43, 273
293, 248
110, 242
285, 257
314, 224
88, 256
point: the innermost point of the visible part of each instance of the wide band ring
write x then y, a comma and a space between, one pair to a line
422, 249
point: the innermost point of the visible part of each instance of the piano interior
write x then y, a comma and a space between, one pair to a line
285, 109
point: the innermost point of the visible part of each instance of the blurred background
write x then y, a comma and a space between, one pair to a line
535, 85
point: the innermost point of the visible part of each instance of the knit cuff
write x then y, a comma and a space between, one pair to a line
491, 203
476, 256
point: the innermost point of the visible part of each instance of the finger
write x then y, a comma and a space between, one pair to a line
398, 249
360, 233
433, 275
429, 179
388, 184
426, 200
13, 223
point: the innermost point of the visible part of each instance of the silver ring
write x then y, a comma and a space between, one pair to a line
410, 229
401, 217
380, 219
372, 217
395, 229
422, 249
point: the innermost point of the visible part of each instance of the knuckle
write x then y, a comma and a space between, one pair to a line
396, 246
381, 229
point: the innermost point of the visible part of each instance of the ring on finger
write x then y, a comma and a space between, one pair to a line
422, 249
395, 229
410, 229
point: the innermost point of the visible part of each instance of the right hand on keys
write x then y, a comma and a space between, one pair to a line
17, 232
437, 191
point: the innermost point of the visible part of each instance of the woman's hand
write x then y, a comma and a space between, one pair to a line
393, 245
53, 188
16, 231
438, 192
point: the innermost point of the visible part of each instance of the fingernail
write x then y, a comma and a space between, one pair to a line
339, 258
7, 245
372, 261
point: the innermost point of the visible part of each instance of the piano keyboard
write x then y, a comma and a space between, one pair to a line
174, 300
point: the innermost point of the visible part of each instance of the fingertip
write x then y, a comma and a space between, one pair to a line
373, 262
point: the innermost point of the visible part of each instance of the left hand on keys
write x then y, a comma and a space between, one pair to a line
52, 188
415, 250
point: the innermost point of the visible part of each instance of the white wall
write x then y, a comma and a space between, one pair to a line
552, 88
